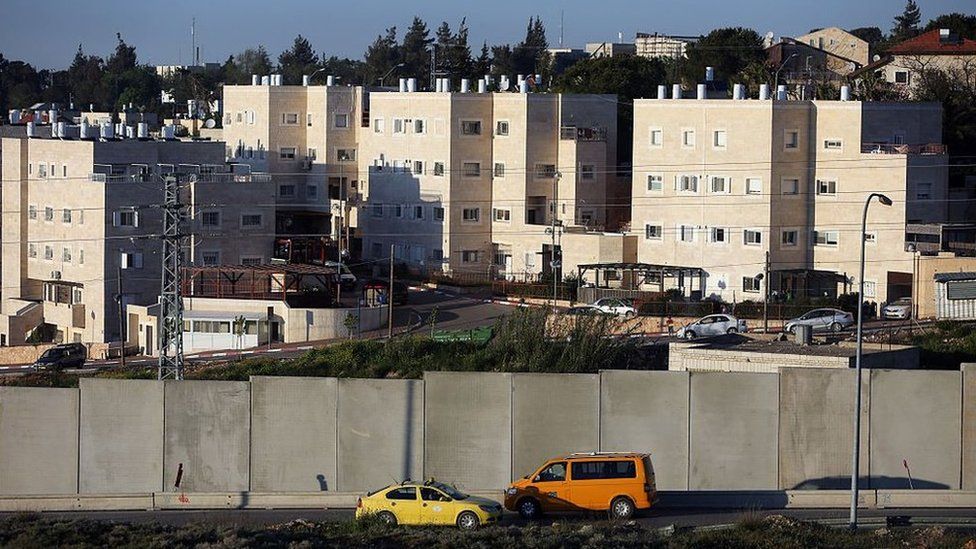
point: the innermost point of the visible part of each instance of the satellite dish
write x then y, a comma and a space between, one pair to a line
210, 123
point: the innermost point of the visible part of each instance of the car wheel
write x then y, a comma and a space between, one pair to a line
836, 327
791, 329
732, 331
621, 508
529, 508
468, 521
629, 314
387, 518
689, 335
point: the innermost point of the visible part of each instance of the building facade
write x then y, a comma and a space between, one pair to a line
662, 45
905, 64
840, 43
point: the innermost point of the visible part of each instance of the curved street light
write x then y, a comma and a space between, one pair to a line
856, 459
783, 64
389, 72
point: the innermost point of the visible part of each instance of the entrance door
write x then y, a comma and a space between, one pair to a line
274, 331
150, 342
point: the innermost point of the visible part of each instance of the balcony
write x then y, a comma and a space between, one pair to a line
890, 148
227, 177
574, 133
120, 178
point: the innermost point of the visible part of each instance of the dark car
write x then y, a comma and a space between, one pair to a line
67, 355
400, 294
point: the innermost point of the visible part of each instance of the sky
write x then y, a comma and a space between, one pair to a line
47, 33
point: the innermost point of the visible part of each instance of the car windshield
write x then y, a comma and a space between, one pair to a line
52, 353
449, 490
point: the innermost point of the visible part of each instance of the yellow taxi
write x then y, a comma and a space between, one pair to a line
429, 503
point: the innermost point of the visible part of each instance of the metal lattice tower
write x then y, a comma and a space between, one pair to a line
171, 301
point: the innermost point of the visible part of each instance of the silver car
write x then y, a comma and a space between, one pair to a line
833, 320
712, 325
899, 309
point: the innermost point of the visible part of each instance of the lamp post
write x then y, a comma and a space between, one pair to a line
783, 64
389, 72
856, 458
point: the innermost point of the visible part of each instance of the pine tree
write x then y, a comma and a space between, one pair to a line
906, 24
381, 56
300, 60
482, 65
529, 56
414, 51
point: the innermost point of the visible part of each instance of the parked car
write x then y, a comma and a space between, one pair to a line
616, 306
66, 355
346, 278
898, 309
584, 310
429, 503
712, 325
619, 483
834, 320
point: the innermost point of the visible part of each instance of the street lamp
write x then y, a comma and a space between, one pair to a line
783, 64
885, 201
311, 76
389, 72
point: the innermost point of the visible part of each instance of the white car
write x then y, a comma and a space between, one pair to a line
899, 309
346, 278
615, 306
712, 325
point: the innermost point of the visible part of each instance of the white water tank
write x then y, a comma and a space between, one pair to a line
465, 85
130, 132
520, 78
62, 129
255, 80
31, 129
845, 93
108, 131
538, 80
662, 92
763, 92
84, 130
503, 83
403, 85
38, 117
676, 91
702, 91
169, 132
411, 85
781, 92
330, 80
524, 86
305, 80
265, 80
143, 130
15, 116
709, 74
52, 117
447, 85
482, 86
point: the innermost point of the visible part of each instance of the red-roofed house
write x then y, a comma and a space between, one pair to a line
937, 49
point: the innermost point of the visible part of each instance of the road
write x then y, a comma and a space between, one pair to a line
659, 518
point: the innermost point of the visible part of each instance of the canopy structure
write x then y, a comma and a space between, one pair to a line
285, 282
637, 274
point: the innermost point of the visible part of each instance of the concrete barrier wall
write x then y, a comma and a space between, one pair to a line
734, 421
648, 412
380, 432
293, 434
553, 414
121, 436
916, 416
38, 441
969, 427
207, 429
468, 428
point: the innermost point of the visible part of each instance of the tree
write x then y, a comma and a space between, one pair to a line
872, 35
85, 79
728, 50
129, 82
482, 65
453, 51
300, 60
906, 24
531, 55
239, 68
414, 52
348, 71
501, 60
381, 56
961, 24
20, 84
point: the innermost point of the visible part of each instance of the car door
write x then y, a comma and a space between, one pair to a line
553, 487
436, 507
404, 504
721, 325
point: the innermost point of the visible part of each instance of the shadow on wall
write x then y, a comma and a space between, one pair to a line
398, 213
872, 482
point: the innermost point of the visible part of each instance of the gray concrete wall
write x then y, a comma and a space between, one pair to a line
553, 414
293, 434
733, 431
916, 416
207, 429
38, 441
121, 432
380, 432
648, 412
468, 428
969, 427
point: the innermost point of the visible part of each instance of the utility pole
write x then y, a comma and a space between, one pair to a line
122, 337
171, 300
766, 295
389, 297
553, 262
342, 213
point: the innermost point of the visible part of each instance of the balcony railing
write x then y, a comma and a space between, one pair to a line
574, 133
120, 178
890, 148
234, 177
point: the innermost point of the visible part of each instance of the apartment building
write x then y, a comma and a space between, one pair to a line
306, 137
904, 64
662, 45
719, 184
471, 182
840, 43
76, 212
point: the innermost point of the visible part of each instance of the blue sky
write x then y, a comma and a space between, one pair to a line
47, 32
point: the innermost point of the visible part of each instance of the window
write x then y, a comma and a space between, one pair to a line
289, 118
398, 210
379, 126
655, 182
719, 139
32, 212
750, 284
791, 140
471, 215
901, 77
125, 218
439, 169
657, 137
418, 212
210, 219
752, 237
66, 216
825, 238
308, 120
720, 184
788, 238
251, 220
686, 233
210, 259
833, 144
553, 473
287, 153
286, 190
419, 126
688, 138
545, 171
596, 470
471, 169
398, 126
471, 127
48, 253
311, 190
346, 155
312, 153
418, 167
402, 493
718, 235
687, 183
131, 260
587, 171
32, 250
438, 213
377, 210
341, 120
42, 170
66, 255
653, 232
871, 238
48, 213
504, 215
81, 256
499, 169
753, 185
790, 186
501, 127
250, 117
469, 256
923, 191
826, 188
870, 288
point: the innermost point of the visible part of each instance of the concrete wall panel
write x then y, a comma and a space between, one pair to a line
916, 416
648, 412
293, 434
121, 446
553, 414
969, 427
380, 432
733, 431
38, 441
207, 429
468, 428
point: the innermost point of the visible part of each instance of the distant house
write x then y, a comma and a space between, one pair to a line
801, 64
840, 43
955, 296
939, 49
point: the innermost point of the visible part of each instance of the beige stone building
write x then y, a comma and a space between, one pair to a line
662, 45
718, 184
840, 43
940, 49
76, 211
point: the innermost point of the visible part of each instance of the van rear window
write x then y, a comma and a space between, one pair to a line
593, 470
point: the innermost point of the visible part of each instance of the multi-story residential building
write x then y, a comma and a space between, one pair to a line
662, 45
719, 184
468, 182
306, 137
610, 49
77, 212
904, 64
840, 43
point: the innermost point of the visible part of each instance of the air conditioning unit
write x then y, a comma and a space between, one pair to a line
55, 275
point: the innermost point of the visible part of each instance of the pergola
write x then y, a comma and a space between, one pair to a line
642, 272
258, 281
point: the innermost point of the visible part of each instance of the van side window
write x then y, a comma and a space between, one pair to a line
554, 473
593, 470
402, 493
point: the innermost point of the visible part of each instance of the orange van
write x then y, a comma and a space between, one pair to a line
619, 483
